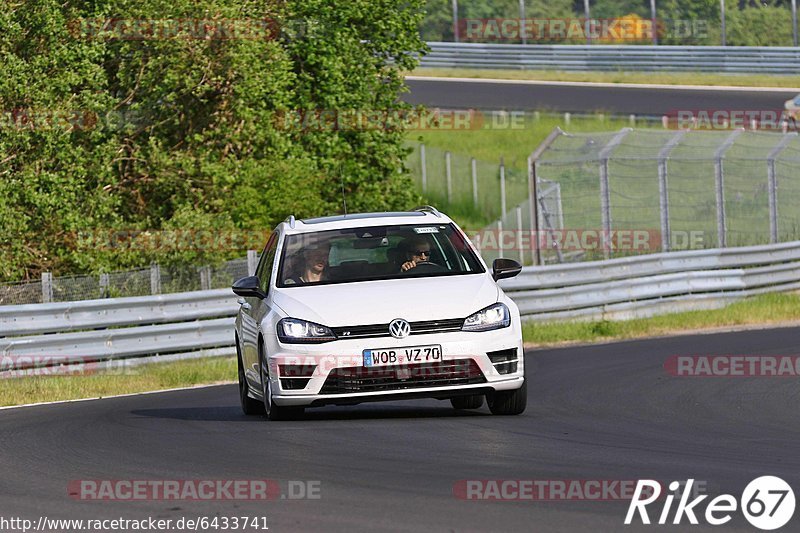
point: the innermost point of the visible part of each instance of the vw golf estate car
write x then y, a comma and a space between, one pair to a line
376, 306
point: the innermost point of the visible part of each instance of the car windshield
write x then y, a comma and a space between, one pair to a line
375, 252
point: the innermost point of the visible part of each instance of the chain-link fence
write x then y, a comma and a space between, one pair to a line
141, 282
626, 192
682, 189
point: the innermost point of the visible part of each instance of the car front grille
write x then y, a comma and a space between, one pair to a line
376, 379
382, 330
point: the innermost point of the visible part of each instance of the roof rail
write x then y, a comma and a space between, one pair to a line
291, 221
429, 209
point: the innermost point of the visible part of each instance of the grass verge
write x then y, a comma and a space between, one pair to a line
759, 310
658, 78
150, 377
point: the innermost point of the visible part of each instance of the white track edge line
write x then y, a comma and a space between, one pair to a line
76, 400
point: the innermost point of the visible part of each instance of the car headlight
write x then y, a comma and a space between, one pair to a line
493, 317
294, 331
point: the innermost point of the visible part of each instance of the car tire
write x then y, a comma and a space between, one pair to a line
511, 402
273, 410
474, 401
250, 406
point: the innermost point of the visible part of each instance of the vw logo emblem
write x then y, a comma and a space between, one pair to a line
399, 328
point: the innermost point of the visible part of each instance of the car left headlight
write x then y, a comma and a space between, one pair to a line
495, 316
295, 331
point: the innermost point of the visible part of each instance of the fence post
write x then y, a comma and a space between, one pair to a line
105, 285
523, 31
205, 278
155, 278
474, 183
502, 188
722, 22
424, 169
773, 186
449, 176
533, 193
455, 20
500, 238
47, 287
605, 191
663, 191
518, 209
252, 262
719, 172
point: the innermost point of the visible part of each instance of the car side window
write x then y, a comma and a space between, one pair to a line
264, 268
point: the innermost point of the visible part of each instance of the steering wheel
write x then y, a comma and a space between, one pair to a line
425, 267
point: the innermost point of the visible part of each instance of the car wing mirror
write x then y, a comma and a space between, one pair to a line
249, 287
505, 268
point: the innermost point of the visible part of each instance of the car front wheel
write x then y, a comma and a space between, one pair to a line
250, 406
474, 401
511, 402
273, 410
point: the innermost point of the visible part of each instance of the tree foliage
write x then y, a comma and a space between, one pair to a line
100, 131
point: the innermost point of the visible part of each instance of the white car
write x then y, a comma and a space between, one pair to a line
377, 306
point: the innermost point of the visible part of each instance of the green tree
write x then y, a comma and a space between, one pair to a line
106, 132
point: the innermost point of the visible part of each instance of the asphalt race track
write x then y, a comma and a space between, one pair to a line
607, 412
586, 98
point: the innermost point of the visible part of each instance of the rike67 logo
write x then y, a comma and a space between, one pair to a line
767, 503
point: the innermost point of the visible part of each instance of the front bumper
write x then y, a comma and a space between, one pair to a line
334, 372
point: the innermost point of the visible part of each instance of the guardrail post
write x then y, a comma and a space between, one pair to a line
155, 278
105, 286
424, 169
47, 287
474, 165
719, 171
252, 262
205, 278
772, 183
449, 176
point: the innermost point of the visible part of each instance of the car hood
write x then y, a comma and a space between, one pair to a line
379, 302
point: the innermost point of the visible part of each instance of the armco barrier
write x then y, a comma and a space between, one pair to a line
197, 324
740, 59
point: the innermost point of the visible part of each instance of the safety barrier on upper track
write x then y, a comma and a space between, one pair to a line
741, 59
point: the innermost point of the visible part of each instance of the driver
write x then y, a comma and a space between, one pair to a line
418, 250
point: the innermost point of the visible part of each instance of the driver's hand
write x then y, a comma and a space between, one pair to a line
408, 265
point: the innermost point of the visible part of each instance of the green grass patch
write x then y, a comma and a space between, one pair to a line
764, 309
661, 78
149, 377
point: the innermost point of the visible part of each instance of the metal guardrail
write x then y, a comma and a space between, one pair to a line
740, 59
200, 323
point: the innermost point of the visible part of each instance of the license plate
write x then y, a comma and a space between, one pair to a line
402, 356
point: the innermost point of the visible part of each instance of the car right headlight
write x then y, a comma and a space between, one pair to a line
296, 331
495, 316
